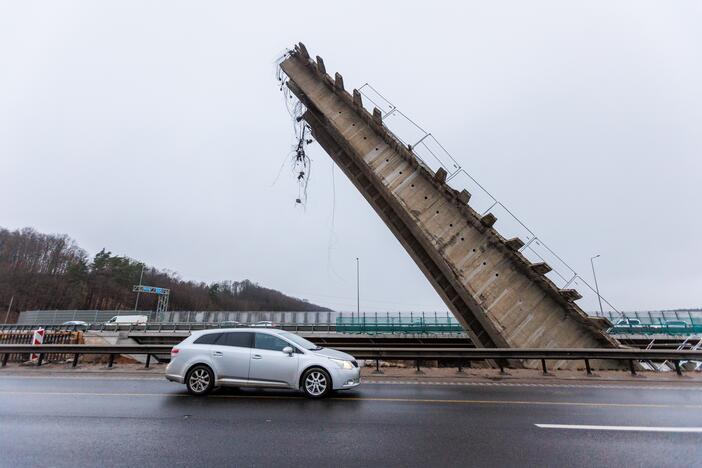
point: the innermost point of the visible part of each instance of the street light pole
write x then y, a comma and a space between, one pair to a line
358, 291
7, 315
597, 288
141, 277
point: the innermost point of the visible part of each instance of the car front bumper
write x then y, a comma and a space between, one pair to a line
346, 378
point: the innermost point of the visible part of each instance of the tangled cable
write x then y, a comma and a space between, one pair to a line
301, 164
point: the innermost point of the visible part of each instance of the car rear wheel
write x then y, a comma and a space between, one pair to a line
316, 383
200, 380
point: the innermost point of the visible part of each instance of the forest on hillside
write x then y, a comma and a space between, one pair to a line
50, 271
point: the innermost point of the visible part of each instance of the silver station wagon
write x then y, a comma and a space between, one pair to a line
245, 357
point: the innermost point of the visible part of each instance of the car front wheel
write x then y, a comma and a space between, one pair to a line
200, 380
316, 383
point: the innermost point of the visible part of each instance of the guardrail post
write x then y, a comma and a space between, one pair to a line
148, 361
4, 359
41, 358
460, 368
75, 360
587, 367
631, 367
678, 370
111, 361
418, 371
543, 367
377, 367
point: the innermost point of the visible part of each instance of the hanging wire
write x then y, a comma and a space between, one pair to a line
332, 233
301, 164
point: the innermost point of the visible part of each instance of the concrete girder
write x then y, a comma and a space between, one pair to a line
499, 296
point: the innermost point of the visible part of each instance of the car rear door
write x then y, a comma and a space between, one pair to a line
269, 364
212, 344
234, 356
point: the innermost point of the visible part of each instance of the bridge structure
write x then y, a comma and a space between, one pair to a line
499, 296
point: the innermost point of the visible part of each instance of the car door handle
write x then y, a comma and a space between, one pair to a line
256, 356
217, 354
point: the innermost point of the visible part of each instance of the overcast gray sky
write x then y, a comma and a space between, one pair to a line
156, 130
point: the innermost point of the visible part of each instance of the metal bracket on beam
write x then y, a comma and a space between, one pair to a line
464, 196
515, 243
339, 81
357, 101
303, 51
540, 268
488, 220
320, 66
377, 117
571, 295
440, 175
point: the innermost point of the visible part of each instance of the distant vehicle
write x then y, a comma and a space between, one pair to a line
265, 324
75, 323
242, 357
230, 323
127, 320
628, 323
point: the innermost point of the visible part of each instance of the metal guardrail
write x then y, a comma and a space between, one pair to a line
460, 355
412, 325
78, 350
166, 326
404, 328
657, 329
658, 317
330, 340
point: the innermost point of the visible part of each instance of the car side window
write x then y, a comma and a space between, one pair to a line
272, 342
239, 339
210, 338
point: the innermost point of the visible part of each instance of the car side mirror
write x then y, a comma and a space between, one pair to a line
288, 350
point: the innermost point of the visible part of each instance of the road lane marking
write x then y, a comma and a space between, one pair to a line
619, 428
691, 386
371, 399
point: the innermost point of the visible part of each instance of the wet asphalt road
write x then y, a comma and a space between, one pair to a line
80, 421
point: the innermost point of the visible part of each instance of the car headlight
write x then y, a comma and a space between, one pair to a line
343, 364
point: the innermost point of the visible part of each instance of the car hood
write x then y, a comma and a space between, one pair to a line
333, 353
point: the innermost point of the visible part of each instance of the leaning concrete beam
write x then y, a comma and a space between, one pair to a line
492, 289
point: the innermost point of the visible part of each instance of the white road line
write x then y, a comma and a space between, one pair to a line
619, 428
608, 386
612, 386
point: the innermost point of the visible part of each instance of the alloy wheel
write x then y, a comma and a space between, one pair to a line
199, 380
316, 383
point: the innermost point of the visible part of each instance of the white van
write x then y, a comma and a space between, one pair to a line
127, 320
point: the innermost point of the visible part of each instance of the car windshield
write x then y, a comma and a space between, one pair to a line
300, 341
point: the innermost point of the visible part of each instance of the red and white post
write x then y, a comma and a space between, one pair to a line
37, 340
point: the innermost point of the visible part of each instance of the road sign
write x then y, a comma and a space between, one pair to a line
150, 289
